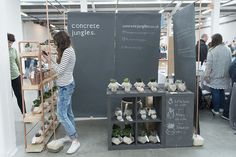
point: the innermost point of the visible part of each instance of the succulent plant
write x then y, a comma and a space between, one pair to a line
112, 81
139, 80
152, 80
126, 80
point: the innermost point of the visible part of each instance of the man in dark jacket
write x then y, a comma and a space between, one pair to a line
232, 74
203, 48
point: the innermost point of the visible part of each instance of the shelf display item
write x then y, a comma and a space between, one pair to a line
139, 85
151, 112
198, 140
153, 85
153, 137
116, 135
113, 85
128, 134
55, 146
37, 139
126, 85
143, 137
169, 84
119, 114
142, 111
181, 86
127, 110
36, 108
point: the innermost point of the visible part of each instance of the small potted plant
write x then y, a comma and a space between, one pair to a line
116, 135
153, 85
153, 137
126, 85
36, 108
181, 86
139, 85
151, 112
119, 114
113, 85
142, 137
142, 111
37, 139
128, 134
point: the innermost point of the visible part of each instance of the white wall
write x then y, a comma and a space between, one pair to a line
227, 30
34, 32
11, 22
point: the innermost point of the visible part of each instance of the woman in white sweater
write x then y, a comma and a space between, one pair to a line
217, 76
64, 68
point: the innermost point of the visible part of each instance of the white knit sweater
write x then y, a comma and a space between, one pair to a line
65, 69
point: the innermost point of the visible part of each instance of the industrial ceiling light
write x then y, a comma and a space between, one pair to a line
161, 11
206, 11
23, 14
52, 26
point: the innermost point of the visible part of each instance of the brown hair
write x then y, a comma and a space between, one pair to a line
62, 41
11, 37
216, 40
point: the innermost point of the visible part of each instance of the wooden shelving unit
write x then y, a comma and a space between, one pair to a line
40, 86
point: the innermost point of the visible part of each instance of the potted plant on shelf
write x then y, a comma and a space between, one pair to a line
139, 85
116, 135
142, 111
113, 85
37, 139
119, 114
153, 85
36, 108
181, 86
142, 137
126, 85
153, 137
151, 112
128, 134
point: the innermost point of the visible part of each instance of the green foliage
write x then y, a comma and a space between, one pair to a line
112, 81
37, 102
126, 80
138, 80
152, 80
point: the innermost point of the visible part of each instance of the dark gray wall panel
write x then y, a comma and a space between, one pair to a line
232, 109
184, 46
137, 44
95, 61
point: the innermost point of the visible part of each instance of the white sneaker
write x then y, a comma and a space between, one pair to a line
74, 147
65, 139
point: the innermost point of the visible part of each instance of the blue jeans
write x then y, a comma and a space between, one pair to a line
64, 110
218, 99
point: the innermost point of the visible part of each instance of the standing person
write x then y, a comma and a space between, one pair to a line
15, 71
65, 81
216, 74
203, 48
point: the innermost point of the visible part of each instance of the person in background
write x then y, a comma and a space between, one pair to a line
203, 48
15, 71
65, 81
216, 74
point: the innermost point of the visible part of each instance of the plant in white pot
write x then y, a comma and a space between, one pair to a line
36, 107
153, 85
181, 86
126, 85
142, 110
128, 134
119, 114
128, 110
37, 139
142, 137
153, 137
116, 135
139, 85
113, 85
151, 112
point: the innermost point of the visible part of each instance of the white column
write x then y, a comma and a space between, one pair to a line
83, 6
11, 22
215, 17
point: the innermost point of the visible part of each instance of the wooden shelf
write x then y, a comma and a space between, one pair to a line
28, 86
29, 54
30, 118
37, 148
